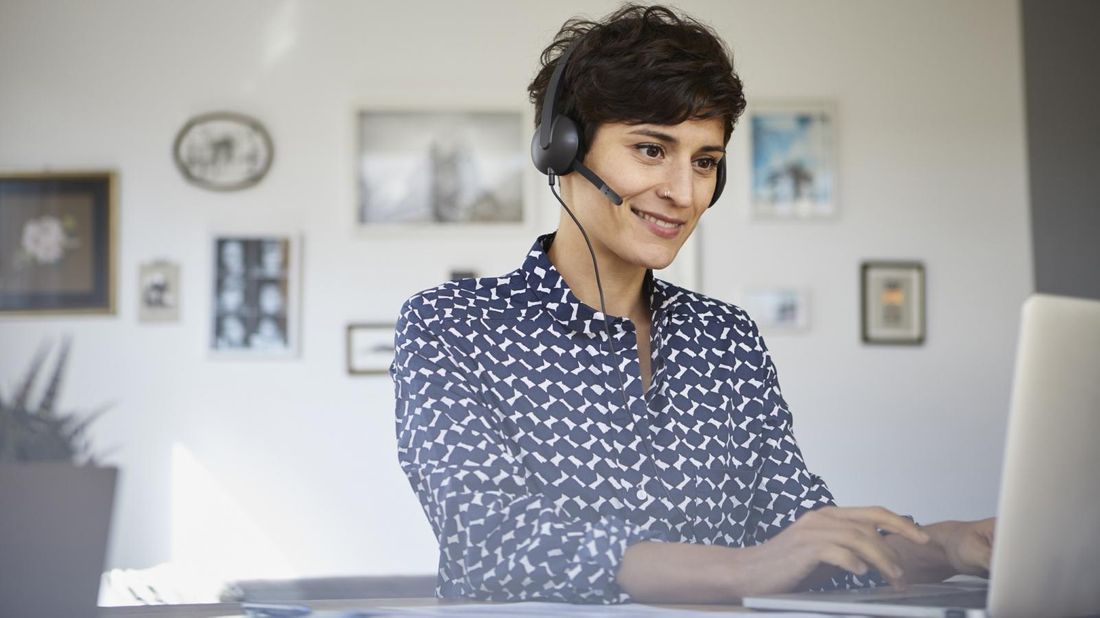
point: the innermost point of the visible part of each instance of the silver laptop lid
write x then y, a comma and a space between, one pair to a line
1046, 558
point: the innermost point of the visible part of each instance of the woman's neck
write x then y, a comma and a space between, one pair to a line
622, 282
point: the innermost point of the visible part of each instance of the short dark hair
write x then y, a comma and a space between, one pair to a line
641, 64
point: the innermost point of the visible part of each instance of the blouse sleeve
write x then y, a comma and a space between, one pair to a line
498, 539
786, 489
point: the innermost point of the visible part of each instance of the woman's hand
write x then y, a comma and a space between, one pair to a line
813, 548
820, 544
968, 546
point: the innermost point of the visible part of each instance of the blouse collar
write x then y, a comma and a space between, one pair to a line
544, 280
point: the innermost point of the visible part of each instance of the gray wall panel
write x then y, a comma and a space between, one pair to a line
1062, 81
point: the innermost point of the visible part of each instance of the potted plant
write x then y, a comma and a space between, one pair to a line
55, 501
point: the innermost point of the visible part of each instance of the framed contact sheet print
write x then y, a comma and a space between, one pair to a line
255, 295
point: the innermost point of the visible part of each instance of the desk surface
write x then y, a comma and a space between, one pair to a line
213, 610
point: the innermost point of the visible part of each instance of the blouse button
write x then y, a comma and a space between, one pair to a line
642, 495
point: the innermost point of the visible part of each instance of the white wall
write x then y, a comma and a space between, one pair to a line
932, 167
290, 467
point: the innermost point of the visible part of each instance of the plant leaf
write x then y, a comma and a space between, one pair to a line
23, 392
42, 433
50, 396
79, 426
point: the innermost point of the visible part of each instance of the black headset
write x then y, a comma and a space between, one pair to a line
556, 145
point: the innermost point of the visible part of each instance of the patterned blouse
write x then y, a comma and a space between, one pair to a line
534, 468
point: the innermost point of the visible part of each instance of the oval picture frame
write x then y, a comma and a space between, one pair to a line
223, 151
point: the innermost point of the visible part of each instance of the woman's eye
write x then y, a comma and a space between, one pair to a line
706, 163
651, 150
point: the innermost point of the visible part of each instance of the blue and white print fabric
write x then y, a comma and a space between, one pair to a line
535, 471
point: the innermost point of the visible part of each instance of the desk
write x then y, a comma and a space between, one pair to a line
212, 610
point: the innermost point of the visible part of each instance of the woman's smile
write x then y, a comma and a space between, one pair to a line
661, 226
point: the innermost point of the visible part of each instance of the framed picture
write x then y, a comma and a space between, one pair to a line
223, 151
255, 295
793, 154
58, 243
370, 348
159, 289
893, 302
778, 309
445, 169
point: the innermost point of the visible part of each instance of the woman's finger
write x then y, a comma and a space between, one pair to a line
986, 557
843, 558
884, 519
869, 548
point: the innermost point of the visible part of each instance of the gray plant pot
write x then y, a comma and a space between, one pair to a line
54, 523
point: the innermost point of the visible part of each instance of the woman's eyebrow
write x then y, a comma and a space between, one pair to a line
665, 137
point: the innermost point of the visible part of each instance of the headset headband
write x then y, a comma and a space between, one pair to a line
551, 96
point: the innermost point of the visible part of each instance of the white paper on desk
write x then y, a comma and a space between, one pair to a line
548, 610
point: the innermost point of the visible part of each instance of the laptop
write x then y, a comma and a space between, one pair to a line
1046, 550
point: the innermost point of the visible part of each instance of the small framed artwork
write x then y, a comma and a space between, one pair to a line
255, 295
440, 169
793, 154
778, 309
159, 286
58, 243
370, 348
893, 303
223, 151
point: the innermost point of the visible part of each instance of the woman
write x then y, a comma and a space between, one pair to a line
643, 450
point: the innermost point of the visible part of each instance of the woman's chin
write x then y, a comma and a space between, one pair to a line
657, 260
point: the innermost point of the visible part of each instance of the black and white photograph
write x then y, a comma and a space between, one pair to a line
893, 303
793, 160
159, 289
369, 348
255, 295
778, 309
440, 168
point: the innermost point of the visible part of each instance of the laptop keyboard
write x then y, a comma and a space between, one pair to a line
972, 599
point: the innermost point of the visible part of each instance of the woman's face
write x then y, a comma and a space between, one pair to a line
666, 176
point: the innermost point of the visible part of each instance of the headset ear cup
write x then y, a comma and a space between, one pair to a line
562, 150
719, 182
